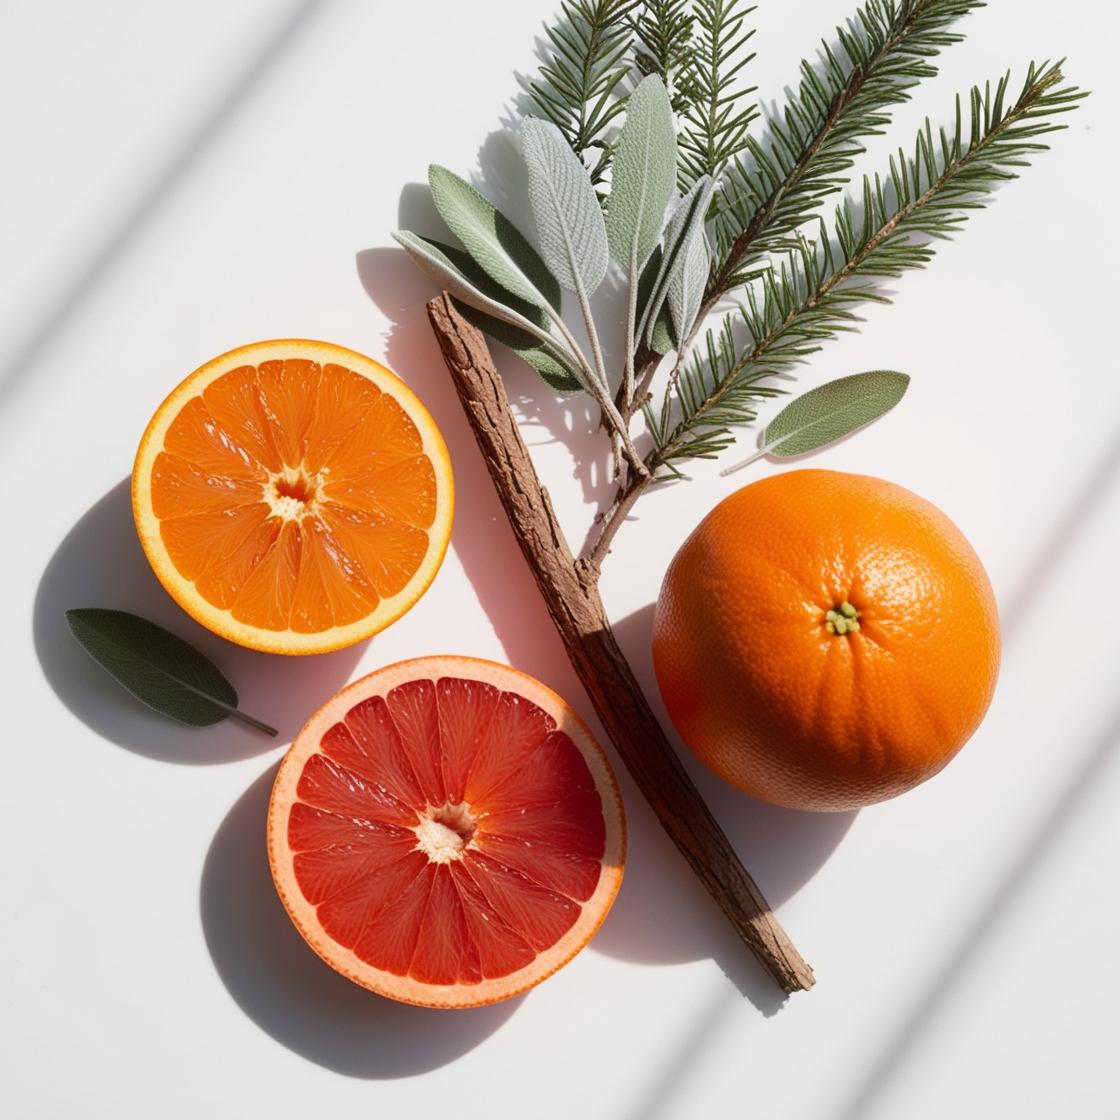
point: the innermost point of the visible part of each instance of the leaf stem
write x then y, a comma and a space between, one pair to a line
238, 714
592, 333
759, 454
598, 389
631, 315
628, 493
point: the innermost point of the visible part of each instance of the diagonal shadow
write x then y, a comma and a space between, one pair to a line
660, 1094
52, 323
982, 926
1077, 512
1043, 566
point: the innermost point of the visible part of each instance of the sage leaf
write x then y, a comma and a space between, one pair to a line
492, 239
159, 669
688, 280
436, 260
828, 413
644, 173
571, 231
556, 371
650, 274
495, 311
661, 337
684, 231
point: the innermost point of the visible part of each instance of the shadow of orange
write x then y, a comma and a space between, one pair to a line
279, 982
100, 564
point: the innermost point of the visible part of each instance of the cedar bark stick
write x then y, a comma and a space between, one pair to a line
570, 590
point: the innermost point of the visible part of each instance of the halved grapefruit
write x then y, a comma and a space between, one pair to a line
446, 832
293, 496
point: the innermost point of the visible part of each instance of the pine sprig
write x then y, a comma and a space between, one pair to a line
711, 397
884, 51
718, 110
810, 295
663, 43
578, 87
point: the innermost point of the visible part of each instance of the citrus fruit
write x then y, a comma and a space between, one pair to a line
446, 832
826, 640
293, 496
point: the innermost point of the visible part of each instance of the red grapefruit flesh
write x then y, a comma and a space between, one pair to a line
446, 832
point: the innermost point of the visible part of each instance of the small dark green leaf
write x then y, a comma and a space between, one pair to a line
158, 668
828, 413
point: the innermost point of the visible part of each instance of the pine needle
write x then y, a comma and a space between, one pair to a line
811, 293
578, 88
719, 109
883, 51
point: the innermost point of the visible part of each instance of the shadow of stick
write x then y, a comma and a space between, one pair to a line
278, 981
782, 848
788, 847
982, 927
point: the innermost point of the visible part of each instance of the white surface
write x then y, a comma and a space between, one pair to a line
181, 179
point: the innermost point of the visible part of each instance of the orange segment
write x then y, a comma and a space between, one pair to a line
289, 390
399, 879
293, 496
405, 490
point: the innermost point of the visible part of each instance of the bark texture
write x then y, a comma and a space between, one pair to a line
570, 589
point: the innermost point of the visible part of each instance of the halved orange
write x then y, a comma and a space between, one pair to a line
293, 496
446, 832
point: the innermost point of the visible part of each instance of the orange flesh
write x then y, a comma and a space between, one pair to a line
295, 495
517, 821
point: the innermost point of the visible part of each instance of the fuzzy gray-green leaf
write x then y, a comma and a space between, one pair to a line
688, 280
557, 372
437, 263
513, 322
500, 249
159, 669
643, 174
828, 413
571, 231
685, 229
661, 337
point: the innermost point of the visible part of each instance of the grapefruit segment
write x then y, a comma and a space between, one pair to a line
446, 832
293, 496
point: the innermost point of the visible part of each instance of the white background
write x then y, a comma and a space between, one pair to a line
183, 178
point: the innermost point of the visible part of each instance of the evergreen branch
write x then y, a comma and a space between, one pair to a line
811, 294
663, 42
717, 112
589, 45
884, 51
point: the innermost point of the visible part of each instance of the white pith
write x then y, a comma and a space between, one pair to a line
444, 834
289, 508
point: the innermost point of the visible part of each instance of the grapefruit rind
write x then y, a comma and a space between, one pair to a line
221, 621
404, 988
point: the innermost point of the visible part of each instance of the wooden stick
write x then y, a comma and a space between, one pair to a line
571, 592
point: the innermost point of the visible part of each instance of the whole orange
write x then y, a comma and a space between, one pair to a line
826, 640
